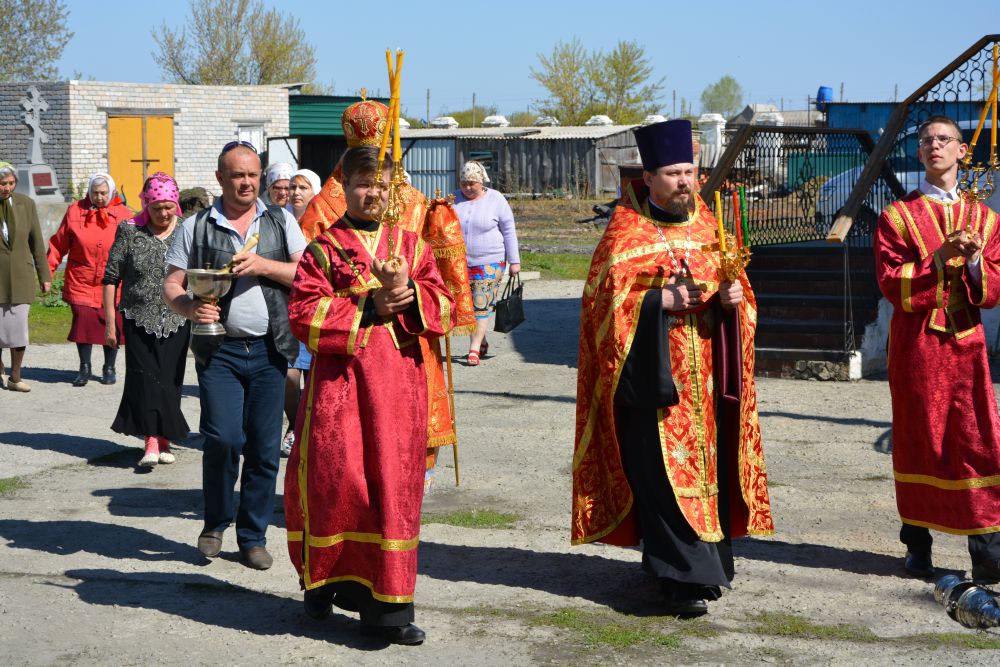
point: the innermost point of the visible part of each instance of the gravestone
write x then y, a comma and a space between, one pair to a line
35, 178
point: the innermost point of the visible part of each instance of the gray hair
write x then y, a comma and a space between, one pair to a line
8, 170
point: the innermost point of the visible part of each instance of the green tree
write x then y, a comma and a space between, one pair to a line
582, 84
522, 119
34, 36
620, 79
566, 75
235, 42
464, 117
725, 96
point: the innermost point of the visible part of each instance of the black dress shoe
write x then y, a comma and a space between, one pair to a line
108, 375
685, 606
987, 572
318, 602
83, 376
408, 635
918, 564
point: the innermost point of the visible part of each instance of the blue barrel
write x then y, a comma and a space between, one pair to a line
823, 95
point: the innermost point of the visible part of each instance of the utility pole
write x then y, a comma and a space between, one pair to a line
782, 105
895, 93
675, 104
427, 118
841, 91
473, 109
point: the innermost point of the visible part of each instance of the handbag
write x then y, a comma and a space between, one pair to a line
510, 307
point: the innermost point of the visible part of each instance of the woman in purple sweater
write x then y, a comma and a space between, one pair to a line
490, 245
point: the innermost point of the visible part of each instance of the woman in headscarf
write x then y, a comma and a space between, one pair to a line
276, 182
157, 337
304, 185
490, 246
22, 258
85, 235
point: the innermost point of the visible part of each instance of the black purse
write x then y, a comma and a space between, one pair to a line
510, 306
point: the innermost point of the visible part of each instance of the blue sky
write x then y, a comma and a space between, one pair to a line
774, 49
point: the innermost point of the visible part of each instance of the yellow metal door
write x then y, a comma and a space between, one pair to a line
125, 155
139, 146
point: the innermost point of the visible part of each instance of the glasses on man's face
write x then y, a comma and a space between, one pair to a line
233, 144
942, 139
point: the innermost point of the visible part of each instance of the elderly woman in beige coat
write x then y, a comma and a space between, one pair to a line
22, 259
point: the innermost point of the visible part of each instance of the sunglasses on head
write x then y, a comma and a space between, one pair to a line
233, 144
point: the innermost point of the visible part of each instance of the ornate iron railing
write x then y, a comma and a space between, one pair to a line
797, 180
957, 91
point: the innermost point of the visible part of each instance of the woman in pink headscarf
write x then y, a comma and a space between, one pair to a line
157, 337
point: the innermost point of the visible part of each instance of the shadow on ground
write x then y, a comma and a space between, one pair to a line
550, 333
215, 604
162, 502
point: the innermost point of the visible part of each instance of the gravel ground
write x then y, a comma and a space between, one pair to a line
99, 563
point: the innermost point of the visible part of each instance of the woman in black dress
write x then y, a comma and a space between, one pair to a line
157, 337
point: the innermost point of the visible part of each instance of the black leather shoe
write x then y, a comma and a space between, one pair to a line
318, 602
918, 564
987, 572
408, 635
83, 376
108, 375
686, 607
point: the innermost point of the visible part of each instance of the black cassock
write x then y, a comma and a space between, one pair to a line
671, 550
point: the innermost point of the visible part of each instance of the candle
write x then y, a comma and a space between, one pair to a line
397, 153
718, 217
737, 219
982, 116
384, 144
993, 128
745, 215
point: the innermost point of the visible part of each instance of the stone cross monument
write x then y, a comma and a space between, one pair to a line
35, 178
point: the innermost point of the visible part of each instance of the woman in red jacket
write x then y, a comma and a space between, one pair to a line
86, 235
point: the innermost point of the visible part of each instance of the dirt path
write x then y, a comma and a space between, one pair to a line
99, 565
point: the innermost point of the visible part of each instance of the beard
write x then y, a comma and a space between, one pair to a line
680, 208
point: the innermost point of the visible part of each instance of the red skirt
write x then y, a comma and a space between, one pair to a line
88, 325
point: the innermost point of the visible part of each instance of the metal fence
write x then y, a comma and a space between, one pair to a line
957, 91
797, 179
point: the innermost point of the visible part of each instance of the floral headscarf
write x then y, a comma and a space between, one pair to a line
159, 187
474, 172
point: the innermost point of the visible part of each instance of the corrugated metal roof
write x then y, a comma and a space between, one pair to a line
563, 132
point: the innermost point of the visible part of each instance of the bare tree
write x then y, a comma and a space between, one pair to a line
235, 42
34, 36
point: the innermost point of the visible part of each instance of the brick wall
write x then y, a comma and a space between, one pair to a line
15, 135
205, 118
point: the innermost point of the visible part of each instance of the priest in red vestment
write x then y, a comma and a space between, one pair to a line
938, 262
438, 225
668, 446
354, 484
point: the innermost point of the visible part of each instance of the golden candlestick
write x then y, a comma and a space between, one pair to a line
733, 259
972, 173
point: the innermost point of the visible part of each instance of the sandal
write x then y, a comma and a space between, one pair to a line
473, 358
484, 348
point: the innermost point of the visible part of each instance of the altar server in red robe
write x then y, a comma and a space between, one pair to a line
938, 263
355, 481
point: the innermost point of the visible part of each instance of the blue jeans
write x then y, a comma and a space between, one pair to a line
242, 393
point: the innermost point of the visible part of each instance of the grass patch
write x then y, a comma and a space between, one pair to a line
474, 518
790, 625
599, 630
875, 478
961, 640
11, 485
565, 266
48, 325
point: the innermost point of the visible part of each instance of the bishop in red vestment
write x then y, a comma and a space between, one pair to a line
354, 484
938, 263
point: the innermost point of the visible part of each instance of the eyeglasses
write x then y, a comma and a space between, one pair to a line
233, 144
942, 139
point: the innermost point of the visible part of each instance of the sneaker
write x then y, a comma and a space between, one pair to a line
287, 442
